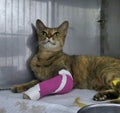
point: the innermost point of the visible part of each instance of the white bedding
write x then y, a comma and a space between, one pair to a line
13, 103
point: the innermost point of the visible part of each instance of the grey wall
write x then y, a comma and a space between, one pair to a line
83, 35
112, 28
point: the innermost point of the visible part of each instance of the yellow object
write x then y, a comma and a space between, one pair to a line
78, 103
114, 82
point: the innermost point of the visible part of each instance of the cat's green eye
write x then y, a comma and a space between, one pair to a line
56, 33
44, 33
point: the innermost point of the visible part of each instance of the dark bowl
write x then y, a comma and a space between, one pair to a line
101, 108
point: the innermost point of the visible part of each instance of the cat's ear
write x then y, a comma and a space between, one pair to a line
39, 24
64, 26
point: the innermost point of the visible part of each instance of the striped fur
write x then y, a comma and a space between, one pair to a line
89, 72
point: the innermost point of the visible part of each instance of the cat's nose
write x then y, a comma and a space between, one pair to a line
49, 35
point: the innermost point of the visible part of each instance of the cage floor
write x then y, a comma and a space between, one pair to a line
12, 102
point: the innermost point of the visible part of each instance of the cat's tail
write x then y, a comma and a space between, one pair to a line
115, 101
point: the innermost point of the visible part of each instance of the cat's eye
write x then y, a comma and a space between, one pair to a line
44, 33
56, 33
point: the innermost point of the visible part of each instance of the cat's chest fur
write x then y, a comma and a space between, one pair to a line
48, 68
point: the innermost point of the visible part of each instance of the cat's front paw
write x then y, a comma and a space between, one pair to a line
26, 97
100, 96
17, 89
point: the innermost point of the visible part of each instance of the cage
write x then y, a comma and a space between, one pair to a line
93, 30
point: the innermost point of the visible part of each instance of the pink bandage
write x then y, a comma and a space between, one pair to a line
60, 84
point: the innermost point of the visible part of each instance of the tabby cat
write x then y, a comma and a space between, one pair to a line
89, 72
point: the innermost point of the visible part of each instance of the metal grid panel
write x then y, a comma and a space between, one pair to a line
17, 37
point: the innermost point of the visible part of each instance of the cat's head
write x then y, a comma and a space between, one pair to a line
51, 39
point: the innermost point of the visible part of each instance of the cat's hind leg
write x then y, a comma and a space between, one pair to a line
109, 77
105, 95
108, 93
113, 93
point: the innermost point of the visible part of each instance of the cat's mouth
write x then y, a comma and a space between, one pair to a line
49, 42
